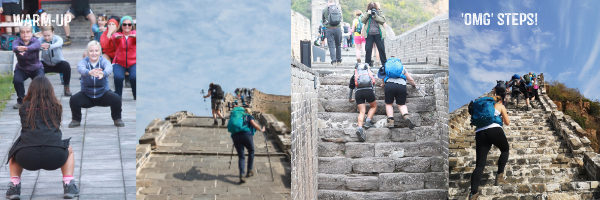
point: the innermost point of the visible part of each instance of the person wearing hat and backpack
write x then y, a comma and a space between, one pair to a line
242, 127
216, 95
487, 115
332, 19
394, 77
364, 83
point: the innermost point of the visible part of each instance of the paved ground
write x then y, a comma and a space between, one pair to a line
104, 154
204, 172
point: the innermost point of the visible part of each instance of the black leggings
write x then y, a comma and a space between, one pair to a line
109, 98
375, 39
36, 158
60, 67
483, 142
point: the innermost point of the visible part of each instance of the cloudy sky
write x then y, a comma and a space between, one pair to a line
183, 46
564, 45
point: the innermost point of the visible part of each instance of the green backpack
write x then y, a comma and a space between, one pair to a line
236, 121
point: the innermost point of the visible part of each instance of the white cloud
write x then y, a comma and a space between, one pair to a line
484, 41
539, 41
528, 3
521, 50
591, 59
564, 76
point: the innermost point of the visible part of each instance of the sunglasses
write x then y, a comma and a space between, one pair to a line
127, 24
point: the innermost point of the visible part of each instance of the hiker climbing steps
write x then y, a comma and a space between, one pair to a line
540, 164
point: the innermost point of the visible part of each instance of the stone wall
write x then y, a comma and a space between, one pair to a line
276, 129
80, 27
262, 102
441, 103
304, 131
424, 44
300, 32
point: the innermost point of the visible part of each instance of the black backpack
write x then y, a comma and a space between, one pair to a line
346, 29
500, 88
218, 92
6, 41
335, 15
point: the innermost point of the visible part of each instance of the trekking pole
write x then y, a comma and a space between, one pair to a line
423, 93
269, 156
231, 156
204, 100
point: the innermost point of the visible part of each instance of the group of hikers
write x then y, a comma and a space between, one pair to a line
241, 125
488, 115
394, 81
40, 144
367, 32
526, 85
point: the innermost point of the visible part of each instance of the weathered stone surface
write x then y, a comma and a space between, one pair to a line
401, 181
331, 181
362, 183
335, 165
372, 165
360, 150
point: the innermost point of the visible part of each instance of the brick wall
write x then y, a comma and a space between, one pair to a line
441, 102
80, 27
300, 31
304, 132
426, 43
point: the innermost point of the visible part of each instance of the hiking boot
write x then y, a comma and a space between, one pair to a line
92, 38
67, 91
14, 191
333, 63
411, 126
242, 179
119, 123
215, 123
250, 174
17, 106
67, 41
361, 135
368, 125
71, 190
390, 123
500, 180
223, 121
473, 196
74, 124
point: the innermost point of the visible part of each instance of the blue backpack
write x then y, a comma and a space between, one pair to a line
236, 121
394, 69
482, 112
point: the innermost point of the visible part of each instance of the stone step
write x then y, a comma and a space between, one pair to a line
341, 92
349, 120
344, 79
567, 190
374, 135
348, 68
414, 105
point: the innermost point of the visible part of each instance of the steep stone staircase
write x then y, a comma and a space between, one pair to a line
390, 162
540, 164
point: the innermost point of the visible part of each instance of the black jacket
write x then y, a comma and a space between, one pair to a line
42, 135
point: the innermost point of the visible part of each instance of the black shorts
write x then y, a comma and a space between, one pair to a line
395, 91
515, 93
11, 9
83, 13
36, 158
364, 95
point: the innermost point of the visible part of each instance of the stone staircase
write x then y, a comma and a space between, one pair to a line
396, 163
540, 166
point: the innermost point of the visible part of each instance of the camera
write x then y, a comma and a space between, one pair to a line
373, 11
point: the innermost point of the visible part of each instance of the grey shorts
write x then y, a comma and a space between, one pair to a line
216, 104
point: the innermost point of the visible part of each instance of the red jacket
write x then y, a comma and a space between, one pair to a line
124, 50
107, 45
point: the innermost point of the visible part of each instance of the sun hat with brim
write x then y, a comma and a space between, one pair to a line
381, 72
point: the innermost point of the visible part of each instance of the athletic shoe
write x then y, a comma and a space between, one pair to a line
250, 173
410, 124
71, 190
74, 124
119, 123
67, 41
14, 191
92, 38
361, 135
368, 125
390, 123
17, 106
223, 121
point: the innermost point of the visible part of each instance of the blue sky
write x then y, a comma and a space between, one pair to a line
183, 46
564, 45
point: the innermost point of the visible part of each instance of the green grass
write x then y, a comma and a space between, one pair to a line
6, 89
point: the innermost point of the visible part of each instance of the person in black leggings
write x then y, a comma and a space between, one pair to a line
40, 145
485, 137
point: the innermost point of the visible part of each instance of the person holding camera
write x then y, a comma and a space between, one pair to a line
374, 33
332, 19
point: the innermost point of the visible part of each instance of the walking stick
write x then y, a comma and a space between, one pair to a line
269, 156
204, 99
231, 157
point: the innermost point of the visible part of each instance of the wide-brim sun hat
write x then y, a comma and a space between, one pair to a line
381, 72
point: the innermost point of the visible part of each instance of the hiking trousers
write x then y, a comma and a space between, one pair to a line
241, 140
81, 100
483, 142
60, 67
378, 41
19, 81
334, 41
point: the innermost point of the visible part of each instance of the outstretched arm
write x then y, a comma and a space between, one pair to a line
256, 126
208, 94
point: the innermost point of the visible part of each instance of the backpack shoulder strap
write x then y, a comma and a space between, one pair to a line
356, 77
371, 75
